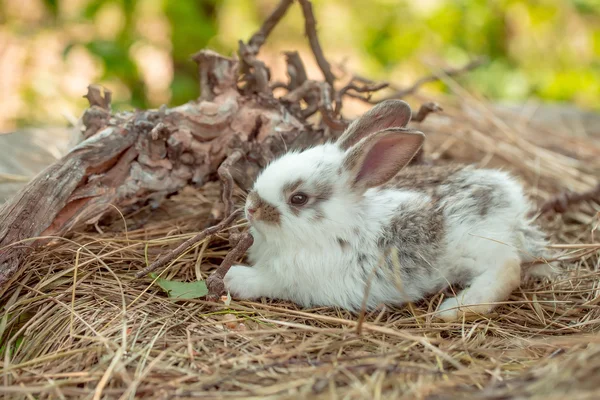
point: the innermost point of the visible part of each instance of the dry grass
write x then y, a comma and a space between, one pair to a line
76, 325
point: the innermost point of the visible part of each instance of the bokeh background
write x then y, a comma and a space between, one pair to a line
50, 50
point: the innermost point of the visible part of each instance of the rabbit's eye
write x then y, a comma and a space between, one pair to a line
299, 199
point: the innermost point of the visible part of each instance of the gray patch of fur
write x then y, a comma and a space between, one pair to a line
413, 242
477, 195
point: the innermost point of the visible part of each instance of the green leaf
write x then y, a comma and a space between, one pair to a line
182, 290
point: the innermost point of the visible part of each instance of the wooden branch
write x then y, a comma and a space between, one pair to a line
224, 172
425, 110
401, 93
256, 73
259, 38
217, 74
188, 244
295, 70
323, 92
215, 284
561, 202
310, 28
99, 97
364, 87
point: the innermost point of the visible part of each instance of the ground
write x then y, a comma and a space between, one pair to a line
76, 324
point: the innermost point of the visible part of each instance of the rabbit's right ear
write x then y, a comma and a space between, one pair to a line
378, 158
385, 115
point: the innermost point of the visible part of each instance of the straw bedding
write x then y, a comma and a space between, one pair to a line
76, 324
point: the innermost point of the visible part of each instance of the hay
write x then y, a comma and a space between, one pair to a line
75, 324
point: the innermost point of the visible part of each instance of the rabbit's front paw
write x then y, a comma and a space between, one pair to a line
452, 309
244, 282
449, 310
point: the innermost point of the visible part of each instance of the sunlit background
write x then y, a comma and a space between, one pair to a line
50, 50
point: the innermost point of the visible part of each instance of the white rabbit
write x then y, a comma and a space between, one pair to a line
328, 220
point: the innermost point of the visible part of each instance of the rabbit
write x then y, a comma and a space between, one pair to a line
333, 219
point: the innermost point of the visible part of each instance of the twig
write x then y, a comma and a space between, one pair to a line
425, 110
259, 38
224, 173
99, 96
561, 202
278, 85
301, 92
295, 69
367, 87
215, 284
298, 77
363, 306
256, 73
323, 91
310, 27
182, 248
398, 94
329, 117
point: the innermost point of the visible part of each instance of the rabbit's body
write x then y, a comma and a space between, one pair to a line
405, 234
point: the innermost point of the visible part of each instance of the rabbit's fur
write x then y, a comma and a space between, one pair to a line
408, 231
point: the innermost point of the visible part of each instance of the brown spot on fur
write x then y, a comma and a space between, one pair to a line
270, 214
323, 191
265, 212
484, 198
344, 244
291, 187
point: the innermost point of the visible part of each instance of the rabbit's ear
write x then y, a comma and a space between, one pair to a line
378, 158
387, 114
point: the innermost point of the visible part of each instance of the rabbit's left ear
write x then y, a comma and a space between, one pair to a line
378, 158
387, 114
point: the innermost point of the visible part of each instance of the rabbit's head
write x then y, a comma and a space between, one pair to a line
303, 195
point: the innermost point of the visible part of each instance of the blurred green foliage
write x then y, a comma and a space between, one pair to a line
192, 25
549, 49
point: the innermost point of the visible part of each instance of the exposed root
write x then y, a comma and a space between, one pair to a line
561, 202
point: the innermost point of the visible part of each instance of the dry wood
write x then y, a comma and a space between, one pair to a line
185, 246
215, 284
310, 28
561, 202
